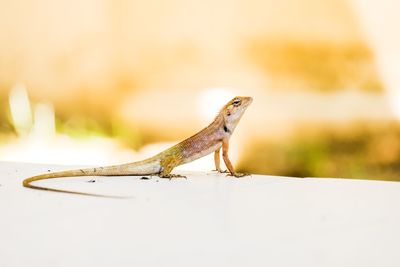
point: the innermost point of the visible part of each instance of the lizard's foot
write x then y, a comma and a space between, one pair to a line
170, 176
238, 174
221, 171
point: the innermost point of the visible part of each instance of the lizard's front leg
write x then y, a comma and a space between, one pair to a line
225, 149
217, 161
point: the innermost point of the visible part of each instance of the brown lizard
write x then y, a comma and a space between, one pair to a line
210, 139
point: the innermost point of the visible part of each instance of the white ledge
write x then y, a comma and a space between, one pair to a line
204, 220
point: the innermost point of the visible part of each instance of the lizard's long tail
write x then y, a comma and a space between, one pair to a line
146, 167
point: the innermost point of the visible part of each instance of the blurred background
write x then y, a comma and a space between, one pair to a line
102, 82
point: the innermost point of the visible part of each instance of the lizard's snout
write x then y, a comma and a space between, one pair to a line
248, 100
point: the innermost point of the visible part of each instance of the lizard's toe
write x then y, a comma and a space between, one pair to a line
238, 174
170, 176
220, 171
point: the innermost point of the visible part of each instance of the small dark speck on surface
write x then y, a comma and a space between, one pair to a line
91, 181
144, 178
157, 181
49, 170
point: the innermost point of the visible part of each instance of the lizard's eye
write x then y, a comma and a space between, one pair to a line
236, 102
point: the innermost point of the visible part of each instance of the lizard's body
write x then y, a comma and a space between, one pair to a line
210, 139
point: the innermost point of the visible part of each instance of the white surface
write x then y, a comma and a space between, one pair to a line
206, 220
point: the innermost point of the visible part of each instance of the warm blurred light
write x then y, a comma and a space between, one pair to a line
44, 121
20, 109
64, 150
212, 99
380, 20
39, 143
394, 96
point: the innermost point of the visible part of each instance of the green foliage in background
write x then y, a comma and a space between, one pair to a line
361, 151
87, 127
6, 128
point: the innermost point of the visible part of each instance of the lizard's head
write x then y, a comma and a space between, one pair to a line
235, 109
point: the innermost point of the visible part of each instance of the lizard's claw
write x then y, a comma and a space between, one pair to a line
221, 171
238, 174
170, 176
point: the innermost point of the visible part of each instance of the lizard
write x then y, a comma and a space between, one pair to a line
212, 138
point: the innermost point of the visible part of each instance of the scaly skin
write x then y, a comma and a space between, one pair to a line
210, 139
